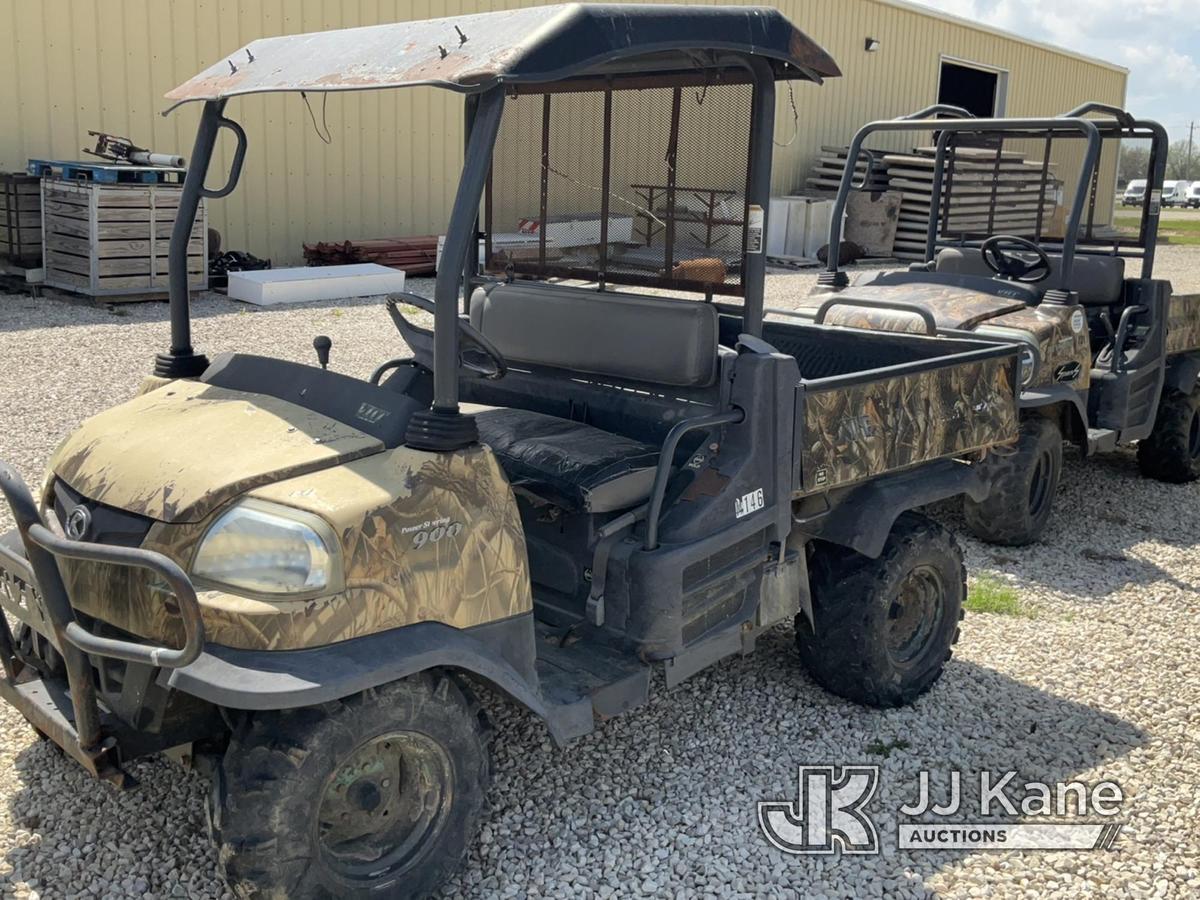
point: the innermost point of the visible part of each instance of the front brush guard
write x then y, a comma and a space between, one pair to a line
32, 590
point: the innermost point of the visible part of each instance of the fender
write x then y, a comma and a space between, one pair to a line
862, 518
1052, 395
1183, 371
501, 653
1074, 402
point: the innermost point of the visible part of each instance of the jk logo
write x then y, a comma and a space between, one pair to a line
827, 812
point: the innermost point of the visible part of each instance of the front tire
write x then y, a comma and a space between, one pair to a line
1172, 452
377, 795
1024, 483
885, 628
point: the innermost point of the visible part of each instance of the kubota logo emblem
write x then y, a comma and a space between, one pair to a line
79, 520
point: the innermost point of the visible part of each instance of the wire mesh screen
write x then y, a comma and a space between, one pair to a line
1010, 182
636, 186
995, 185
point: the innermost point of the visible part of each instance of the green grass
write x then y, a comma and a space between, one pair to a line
1179, 226
987, 595
879, 748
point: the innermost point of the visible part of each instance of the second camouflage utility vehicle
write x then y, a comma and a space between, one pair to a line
293, 576
1110, 354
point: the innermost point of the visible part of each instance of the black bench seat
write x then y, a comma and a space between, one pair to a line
572, 465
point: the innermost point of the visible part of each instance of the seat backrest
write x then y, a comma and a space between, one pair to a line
1099, 280
656, 340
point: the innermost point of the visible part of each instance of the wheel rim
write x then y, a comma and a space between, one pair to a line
384, 805
915, 615
1194, 437
1040, 484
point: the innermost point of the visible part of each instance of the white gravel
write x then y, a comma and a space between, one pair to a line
1103, 682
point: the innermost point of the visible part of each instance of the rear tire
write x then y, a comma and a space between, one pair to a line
885, 628
1172, 452
378, 795
1024, 483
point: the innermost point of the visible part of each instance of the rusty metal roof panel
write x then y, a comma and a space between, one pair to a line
538, 44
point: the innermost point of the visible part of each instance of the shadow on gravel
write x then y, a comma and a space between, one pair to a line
658, 801
76, 836
1106, 520
668, 793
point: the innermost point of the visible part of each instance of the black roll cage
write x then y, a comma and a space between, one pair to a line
483, 111
1119, 125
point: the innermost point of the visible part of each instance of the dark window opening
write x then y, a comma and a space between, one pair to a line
972, 89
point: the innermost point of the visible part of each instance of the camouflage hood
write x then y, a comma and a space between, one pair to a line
177, 453
950, 306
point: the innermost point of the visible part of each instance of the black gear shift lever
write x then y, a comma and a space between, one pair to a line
322, 345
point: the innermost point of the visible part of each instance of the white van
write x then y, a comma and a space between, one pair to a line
1175, 193
1193, 195
1135, 191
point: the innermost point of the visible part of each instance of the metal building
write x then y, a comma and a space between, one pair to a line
390, 164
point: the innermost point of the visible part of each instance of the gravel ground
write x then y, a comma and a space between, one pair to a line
1099, 680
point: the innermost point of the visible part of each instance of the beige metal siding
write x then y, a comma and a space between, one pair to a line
67, 66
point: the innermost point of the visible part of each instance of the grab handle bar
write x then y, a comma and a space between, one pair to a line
663, 473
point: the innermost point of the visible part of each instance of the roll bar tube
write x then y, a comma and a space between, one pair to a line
461, 236
834, 277
938, 109
182, 361
1125, 119
758, 190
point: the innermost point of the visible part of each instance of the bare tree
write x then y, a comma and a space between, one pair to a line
1179, 166
1135, 160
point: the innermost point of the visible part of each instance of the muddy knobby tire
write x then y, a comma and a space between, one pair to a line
1172, 452
850, 651
1024, 484
268, 791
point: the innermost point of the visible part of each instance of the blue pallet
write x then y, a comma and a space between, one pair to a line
103, 174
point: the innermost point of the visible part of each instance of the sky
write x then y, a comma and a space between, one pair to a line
1157, 40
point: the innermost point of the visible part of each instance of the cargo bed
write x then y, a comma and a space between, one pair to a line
872, 402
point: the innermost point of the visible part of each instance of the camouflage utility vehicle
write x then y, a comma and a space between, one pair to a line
294, 577
1110, 354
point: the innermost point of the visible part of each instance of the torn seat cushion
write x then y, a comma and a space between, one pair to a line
569, 464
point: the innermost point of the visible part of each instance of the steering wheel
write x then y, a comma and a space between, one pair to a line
996, 256
479, 355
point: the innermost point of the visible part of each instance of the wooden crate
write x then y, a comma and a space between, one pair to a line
111, 240
20, 219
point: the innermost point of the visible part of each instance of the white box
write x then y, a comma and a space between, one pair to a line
269, 287
805, 229
777, 226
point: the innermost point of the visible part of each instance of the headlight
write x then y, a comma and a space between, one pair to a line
268, 549
1028, 365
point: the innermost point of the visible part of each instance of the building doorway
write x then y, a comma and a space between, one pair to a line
980, 90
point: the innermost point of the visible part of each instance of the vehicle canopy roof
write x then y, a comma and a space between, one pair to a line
472, 53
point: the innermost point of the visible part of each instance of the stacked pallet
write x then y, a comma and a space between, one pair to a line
415, 255
20, 219
830, 166
110, 239
982, 193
